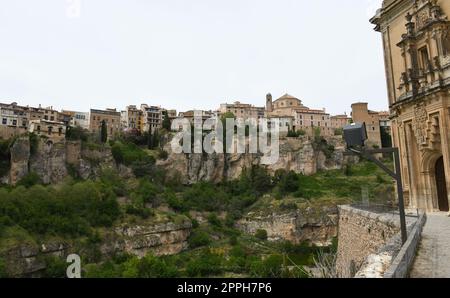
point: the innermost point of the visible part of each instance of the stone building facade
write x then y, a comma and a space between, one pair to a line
111, 117
242, 110
361, 114
301, 117
53, 130
416, 41
152, 117
77, 119
132, 118
339, 121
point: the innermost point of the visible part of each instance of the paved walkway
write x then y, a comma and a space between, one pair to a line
433, 257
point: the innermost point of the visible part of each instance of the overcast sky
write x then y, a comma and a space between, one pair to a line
187, 54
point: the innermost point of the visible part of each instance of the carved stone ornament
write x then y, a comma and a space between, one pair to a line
420, 123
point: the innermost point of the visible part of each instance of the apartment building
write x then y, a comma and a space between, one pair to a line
77, 119
132, 118
110, 116
53, 130
340, 121
152, 117
303, 118
242, 110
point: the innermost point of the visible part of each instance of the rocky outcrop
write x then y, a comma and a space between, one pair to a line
166, 238
295, 154
28, 260
20, 155
52, 161
318, 226
160, 239
49, 161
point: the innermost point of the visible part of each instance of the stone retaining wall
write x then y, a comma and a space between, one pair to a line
360, 234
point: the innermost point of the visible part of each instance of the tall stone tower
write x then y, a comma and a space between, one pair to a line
360, 114
269, 104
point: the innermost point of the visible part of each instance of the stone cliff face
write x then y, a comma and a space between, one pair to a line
296, 154
316, 226
29, 260
51, 161
20, 155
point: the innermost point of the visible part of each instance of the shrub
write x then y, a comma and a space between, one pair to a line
3, 270
30, 179
206, 265
199, 238
175, 202
261, 234
55, 267
269, 268
77, 133
233, 240
69, 210
5, 156
214, 220
155, 267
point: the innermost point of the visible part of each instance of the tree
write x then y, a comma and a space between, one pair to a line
166, 121
104, 132
155, 139
149, 139
261, 234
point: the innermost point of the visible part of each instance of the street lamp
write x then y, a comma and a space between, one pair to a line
355, 136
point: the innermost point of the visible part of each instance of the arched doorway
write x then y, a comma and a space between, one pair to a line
441, 185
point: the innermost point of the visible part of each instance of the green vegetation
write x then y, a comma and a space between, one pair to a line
261, 234
4, 156
103, 132
77, 133
82, 212
296, 133
70, 210
166, 121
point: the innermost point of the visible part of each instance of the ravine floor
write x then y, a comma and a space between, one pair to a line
433, 256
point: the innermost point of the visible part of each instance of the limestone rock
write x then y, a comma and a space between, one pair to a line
20, 155
316, 226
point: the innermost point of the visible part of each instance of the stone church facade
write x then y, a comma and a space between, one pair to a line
416, 41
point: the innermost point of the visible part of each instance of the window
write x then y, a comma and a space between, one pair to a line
50, 129
424, 59
14, 122
39, 128
4, 121
446, 45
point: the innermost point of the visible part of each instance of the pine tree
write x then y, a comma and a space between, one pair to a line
149, 139
166, 121
104, 132
155, 139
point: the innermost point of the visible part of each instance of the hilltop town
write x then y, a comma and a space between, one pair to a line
298, 119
